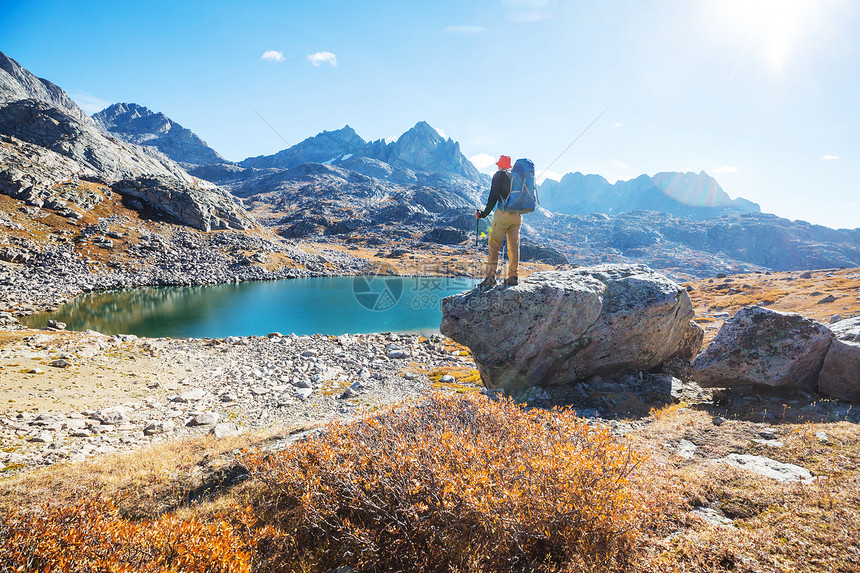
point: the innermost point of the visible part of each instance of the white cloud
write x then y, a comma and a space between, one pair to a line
323, 58
89, 103
273, 56
441, 132
465, 30
830, 158
724, 170
484, 162
617, 125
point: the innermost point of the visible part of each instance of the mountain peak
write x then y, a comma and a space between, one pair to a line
423, 129
16, 83
137, 124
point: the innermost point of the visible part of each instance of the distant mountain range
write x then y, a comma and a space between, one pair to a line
415, 191
690, 195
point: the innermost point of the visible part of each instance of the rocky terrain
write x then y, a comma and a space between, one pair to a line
89, 394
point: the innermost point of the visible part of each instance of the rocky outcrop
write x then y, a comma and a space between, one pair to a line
136, 124
562, 326
764, 347
202, 209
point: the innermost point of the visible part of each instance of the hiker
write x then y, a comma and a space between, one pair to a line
505, 223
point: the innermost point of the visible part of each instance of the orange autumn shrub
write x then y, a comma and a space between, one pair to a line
90, 536
449, 483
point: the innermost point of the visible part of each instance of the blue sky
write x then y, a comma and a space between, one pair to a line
761, 94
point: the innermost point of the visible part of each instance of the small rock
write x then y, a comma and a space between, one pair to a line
35, 371
687, 449
303, 393
348, 393
310, 353
204, 419
112, 416
159, 427
713, 517
718, 421
225, 430
767, 467
835, 318
228, 397
192, 395
822, 437
768, 433
828, 298
61, 363
259, 390
447, 379
43, 437
56, 325
397, 354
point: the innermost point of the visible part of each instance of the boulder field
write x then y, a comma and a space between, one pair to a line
562, 326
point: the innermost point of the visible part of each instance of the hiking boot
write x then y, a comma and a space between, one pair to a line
488, 282
512, 281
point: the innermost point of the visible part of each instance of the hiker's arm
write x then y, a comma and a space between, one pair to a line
495, 195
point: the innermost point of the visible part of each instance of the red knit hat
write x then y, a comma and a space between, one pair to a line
504, 162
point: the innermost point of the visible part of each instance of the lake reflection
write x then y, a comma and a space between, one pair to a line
327, 305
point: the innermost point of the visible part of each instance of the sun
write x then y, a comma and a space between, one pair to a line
773, 28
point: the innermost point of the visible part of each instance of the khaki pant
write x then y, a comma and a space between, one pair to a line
504, 223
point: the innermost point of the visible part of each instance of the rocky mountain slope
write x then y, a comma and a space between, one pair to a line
136, 124
690, 195
48, 140
16, 83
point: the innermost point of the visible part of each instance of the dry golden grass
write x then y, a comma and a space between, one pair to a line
463, 484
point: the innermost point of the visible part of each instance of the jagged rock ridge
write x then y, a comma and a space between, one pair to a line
136, 124
419, 149
690, 195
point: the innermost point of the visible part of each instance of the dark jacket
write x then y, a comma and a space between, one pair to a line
499, 190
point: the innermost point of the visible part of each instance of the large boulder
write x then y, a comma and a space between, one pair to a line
840, 374
563, 326
764, 347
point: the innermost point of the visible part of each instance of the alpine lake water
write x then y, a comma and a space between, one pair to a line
320, 305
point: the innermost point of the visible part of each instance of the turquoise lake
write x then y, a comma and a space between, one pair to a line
324, 305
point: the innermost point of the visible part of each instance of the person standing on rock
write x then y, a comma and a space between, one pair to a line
505, 224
